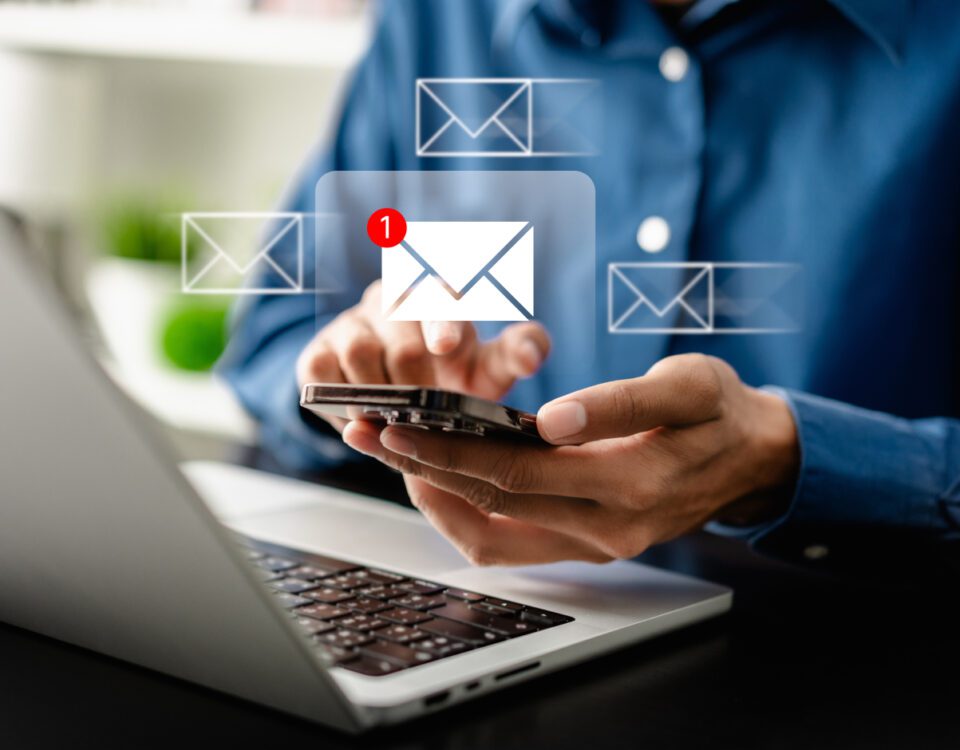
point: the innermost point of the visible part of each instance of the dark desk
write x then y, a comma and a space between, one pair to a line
801, 662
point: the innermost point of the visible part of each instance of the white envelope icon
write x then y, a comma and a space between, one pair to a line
241, 267
460, 270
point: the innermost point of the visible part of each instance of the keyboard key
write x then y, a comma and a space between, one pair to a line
385, 576
441, 646
321, 611
276, 564
401, 634
308, 572
462, 612
424, 588
315, 627
461, 631
328, 595
334, 654
345, 638
372, 666
417, 601
326, 563
367, 606
360, 578
293, 585
396, 652
543, 618
290, 600
467, 596
363, 623
403, 616
384, 592
493, 609
503, 603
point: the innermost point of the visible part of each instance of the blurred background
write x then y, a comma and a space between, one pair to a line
116, 116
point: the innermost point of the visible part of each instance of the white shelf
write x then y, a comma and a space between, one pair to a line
194, 36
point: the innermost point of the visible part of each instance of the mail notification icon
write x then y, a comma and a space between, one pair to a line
460, 270
242, 253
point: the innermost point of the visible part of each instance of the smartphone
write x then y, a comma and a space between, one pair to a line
428, 408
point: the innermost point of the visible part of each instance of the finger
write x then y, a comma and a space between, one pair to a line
564, 514
678, 391
494, 540
444, 337
405, 355
318, 364
358, 348
517, 352
510, 466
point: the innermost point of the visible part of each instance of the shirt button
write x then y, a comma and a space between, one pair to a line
590, 38
674, 64
653, 234
816, 552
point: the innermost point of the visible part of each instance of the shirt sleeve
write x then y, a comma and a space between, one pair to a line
874, 492
268, 332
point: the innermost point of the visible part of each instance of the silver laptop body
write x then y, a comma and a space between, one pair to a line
105, 543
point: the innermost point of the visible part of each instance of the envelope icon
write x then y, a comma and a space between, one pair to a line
242, 253
668, 298
460, 270
502, 117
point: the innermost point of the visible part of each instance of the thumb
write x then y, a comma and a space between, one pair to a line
677, 391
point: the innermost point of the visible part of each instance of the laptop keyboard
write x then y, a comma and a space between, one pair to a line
375, 622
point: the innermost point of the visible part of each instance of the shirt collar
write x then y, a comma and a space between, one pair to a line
883, 21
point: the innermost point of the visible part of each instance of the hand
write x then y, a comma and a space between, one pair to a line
359, 346
633, 463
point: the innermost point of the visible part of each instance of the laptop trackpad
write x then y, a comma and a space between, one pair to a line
325, 520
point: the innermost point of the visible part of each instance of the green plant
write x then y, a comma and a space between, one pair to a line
140, 231
194, 334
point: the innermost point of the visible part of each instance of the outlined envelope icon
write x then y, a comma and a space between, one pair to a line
710, 297
660, 298
504, 117
226, 265
460, 270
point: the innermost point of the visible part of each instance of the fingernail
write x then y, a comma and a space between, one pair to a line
562, 420
394, 440
442, 336
530, 355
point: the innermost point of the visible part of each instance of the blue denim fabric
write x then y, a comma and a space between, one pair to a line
804, 131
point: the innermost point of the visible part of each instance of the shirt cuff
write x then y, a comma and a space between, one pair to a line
859, 470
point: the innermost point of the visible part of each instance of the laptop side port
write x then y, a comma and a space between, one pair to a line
436, 699
519, 670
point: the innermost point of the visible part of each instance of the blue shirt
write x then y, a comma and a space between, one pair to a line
807, 131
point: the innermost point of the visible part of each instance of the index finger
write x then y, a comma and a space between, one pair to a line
444, 336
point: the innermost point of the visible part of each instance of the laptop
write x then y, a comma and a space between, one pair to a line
335, 607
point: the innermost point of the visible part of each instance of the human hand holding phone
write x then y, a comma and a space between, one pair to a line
360, 346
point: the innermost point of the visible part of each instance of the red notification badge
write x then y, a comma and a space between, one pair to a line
386, 227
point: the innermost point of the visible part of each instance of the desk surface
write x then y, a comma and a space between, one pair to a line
802, 661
